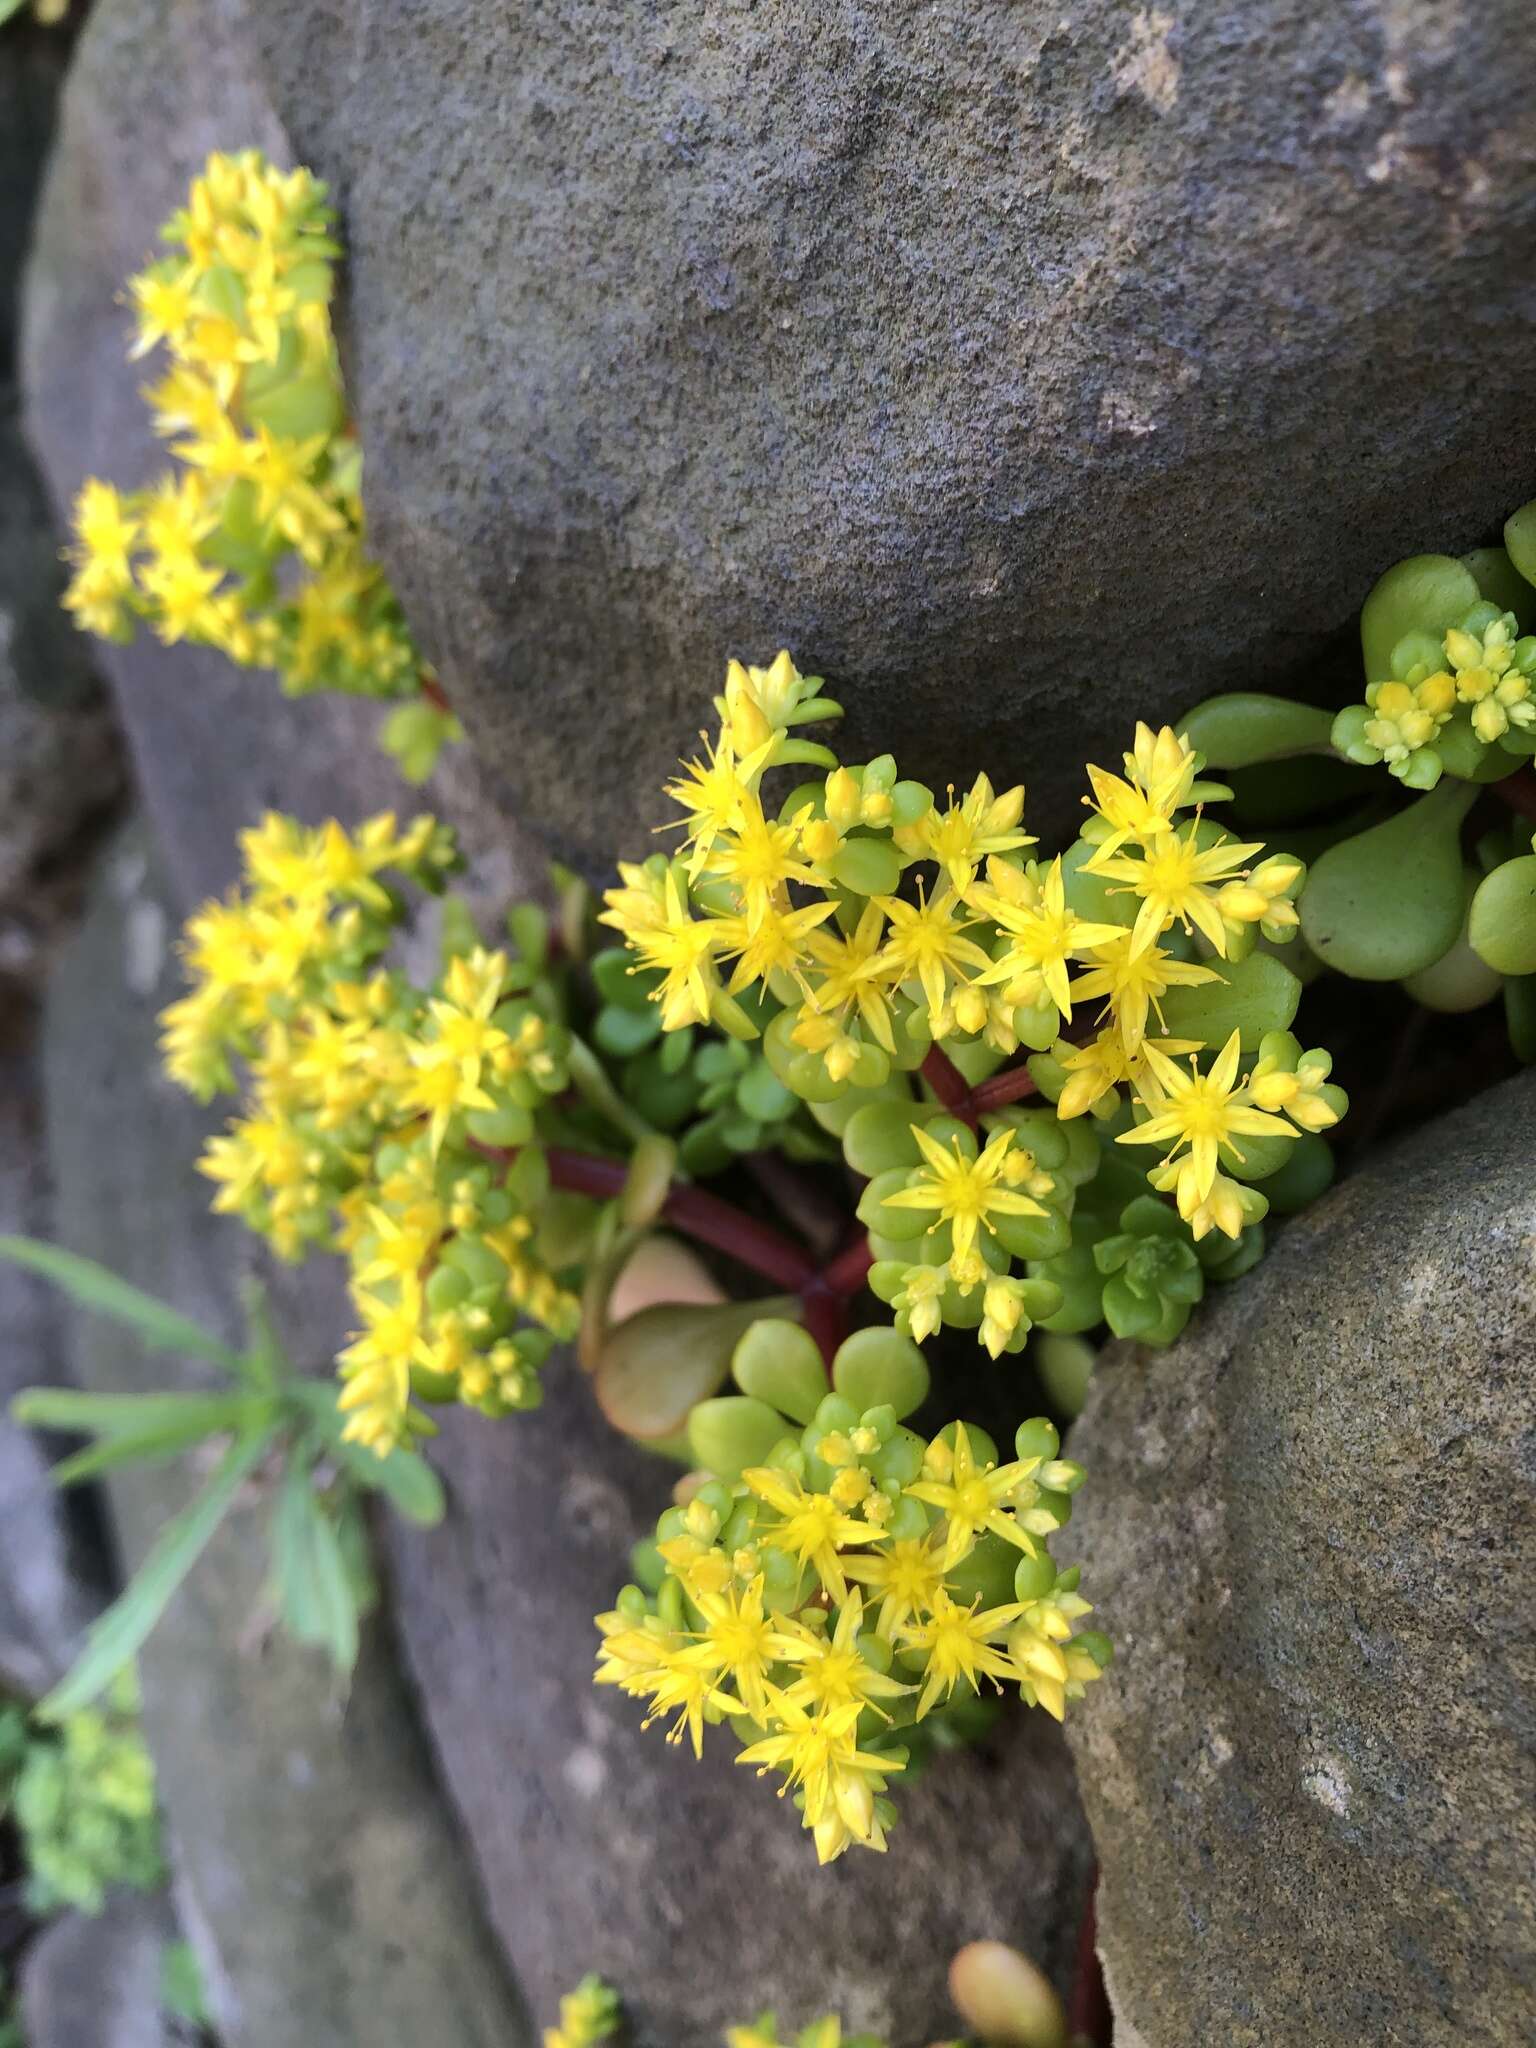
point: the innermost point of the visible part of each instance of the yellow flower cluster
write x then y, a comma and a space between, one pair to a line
588, 2015
254, 542
828, 1602
826, 2032
984, 947
377, 1116
1477, 678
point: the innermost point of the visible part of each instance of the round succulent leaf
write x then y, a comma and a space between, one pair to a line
877, 1137
1520, 540
1004, 1999
1501, 926
879, 1368
1250, 997
730, 1432
1494, 572
1388, 901
655, 1367
1245, 726
777, 1362
1427, 593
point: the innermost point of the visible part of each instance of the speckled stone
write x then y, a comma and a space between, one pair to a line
1312, 1530
1026, 366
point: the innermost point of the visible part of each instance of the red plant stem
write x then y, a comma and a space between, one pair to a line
816, 1213
850, 1269
1089, 2013
1011, 1085
732, 1231
824, 1299
700, 1214
434, 692
948, 1083
1518, 791
825, 1315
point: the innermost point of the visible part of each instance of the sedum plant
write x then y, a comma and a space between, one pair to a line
1003, 1998
253, 541
491, 1152
82, 1795
1438, 894
864, 1043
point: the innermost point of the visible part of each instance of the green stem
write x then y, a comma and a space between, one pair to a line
599, 1093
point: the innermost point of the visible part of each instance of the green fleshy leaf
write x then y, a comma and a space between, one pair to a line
1251, 997
1427, 593
1501, 925
1244, 727
1389, 901
881, 1368
731, 1432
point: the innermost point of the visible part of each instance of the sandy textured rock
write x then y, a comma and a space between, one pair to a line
1028, 366
689, 1884
318, 1870
95, 1983
1312, 1530
50, 1574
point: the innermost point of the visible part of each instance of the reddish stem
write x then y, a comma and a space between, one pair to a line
732, 1231
948, 1083
824, 1299
1518, 791
1011, 1085
434, 692
850, 1269
817, 1215
1089, 2013
825, 1315
700, 1214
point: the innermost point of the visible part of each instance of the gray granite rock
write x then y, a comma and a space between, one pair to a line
95, 1983
318, 1870
61, 770
1312, 1531
51, 1578
1027, 366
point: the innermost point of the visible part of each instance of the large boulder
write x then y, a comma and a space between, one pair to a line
1313, 1532
1028, 368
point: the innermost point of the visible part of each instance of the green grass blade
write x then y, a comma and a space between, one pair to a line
93, 1287
404, 1478
314, 1588
88, 1414
121, 1631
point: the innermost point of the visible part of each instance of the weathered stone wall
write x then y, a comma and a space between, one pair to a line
1028, 367
1312, 1530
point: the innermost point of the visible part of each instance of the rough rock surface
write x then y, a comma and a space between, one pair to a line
59, 763
317, 1866
49, 1571
1312, 1530
1028, 367
95, 1983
